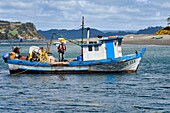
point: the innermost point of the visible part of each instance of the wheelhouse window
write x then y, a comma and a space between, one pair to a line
90, 47
96, 48
119, 42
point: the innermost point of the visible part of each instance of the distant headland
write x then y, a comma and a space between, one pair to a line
18, 30
77, 33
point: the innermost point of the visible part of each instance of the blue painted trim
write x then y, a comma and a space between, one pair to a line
28, 63
134, 56
120, 37
109, 39
143, 50
91, 62
110, 49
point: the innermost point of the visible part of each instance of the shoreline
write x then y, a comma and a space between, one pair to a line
140, 39
143, 39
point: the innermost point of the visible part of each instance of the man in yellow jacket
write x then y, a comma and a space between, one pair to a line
43, 55
34, 56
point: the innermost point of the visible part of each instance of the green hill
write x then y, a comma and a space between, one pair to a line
17, 30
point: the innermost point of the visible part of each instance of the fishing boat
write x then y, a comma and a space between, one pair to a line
103, 56
157, 37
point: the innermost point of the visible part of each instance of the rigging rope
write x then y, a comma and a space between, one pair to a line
24, 70
147, 59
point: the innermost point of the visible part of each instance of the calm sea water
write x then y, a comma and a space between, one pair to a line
148, 90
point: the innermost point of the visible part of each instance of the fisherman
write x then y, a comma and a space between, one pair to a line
16, 50
43, 55
34, 56
61, 49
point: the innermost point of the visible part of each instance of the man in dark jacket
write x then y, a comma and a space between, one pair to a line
61, 49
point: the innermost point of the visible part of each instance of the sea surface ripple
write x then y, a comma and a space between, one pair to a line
148, 90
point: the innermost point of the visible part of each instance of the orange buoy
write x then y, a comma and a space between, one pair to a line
111, 37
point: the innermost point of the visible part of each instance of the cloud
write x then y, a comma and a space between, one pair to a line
165, 5
142, 1
103, 14
158, 14
16, 5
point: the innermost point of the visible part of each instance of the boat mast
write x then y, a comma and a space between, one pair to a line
82, 30
82, 36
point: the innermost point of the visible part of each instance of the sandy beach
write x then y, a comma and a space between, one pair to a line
142, 39
146, 39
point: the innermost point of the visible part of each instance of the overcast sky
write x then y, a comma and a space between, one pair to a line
99, 14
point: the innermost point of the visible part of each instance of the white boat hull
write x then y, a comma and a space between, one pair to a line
123, 66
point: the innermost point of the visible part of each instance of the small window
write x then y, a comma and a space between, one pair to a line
90, 47
119, 42
96, 48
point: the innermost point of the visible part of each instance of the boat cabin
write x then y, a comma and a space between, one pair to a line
105, 48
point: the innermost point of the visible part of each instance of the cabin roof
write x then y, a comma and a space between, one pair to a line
93, 44
113, 38
103, 39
